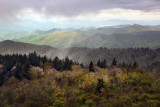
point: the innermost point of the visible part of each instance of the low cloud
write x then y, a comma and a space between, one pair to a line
9, 9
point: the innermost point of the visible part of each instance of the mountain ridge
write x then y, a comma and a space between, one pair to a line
151, 57
123, 36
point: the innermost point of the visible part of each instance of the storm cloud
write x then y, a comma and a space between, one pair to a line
71, 8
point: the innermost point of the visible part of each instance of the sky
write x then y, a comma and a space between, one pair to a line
47, 14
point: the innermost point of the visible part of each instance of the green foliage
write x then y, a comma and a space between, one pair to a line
58, 103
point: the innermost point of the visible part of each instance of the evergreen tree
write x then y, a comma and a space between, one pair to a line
44, 59
82, 65
67, 64
123, 64
104, 64
57, 64
114, 62
34, 59
8, 64
99, 63
18, 72
100, 85
135, 65
26, 65
25, 69
91, 68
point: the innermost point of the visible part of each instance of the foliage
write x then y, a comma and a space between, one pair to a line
114, 86
19, 65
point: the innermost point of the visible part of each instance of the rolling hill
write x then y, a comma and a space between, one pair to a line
59, 39
11, 47
10, 35
124, 36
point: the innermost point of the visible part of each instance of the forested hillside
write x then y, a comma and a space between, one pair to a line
79, 53
145, 57
34, 81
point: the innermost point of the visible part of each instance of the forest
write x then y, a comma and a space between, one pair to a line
37, 81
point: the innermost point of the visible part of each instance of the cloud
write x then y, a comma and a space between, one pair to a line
9, 9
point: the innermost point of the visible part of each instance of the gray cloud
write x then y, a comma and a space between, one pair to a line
10, 8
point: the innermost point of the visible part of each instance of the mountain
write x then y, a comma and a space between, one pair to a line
123, 40
16, 35
11, 47
10, 35
145, 57
59, 39
42, 32
123, 36
119, 29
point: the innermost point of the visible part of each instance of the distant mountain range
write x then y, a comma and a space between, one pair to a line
145, 57
123, 36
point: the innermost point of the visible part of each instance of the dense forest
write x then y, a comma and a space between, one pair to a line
18, 65
146, 58
37, 81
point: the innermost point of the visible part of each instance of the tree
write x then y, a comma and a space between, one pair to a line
135, 65
124, 65
99, 63
67, 64
100, 85
34, 59
104, 64
44, 59
91, 68
18, 71
114, 62
57, 64
82, 65
8, 64
25, 69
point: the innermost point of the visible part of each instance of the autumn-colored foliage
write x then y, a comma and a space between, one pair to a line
109, 87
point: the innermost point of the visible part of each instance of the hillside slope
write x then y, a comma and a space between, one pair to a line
145, 57
11, 47
111, 37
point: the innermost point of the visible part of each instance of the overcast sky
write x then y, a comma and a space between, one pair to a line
78, 13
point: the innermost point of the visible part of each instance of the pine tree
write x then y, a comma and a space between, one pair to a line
135, 65
91, 68
99, 63
57, 64
114, 62
34, 59
82, 65
104, 64
100, 85
67, 64
123, 64
44, 59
